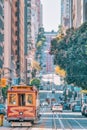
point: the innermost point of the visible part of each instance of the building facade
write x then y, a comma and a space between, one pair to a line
21, 35
79, 12
15, 37
21, 39
7, 38
85, 11
66, 14
1, 32
33, 22
73, 13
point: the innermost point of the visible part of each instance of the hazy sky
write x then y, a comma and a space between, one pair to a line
51, 14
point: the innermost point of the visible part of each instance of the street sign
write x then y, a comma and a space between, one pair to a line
3, 82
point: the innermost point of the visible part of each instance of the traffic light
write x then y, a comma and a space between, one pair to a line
3, 82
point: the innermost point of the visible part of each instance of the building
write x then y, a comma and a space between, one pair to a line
7, 37
73, 13
15, 37
84, 10
33, 22
79, 12
49, 58
28, 41
1, 32
23, 18
66, 14
21, 39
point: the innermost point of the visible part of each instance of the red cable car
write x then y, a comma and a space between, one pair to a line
22, 105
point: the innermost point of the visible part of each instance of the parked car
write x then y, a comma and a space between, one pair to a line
53, 90
66, 106
57, 107
41, 88
84, 110
2, 109
72, 105
44, 103
76, 108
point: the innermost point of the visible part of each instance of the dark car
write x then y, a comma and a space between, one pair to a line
66, 106
84, 110
76, 108
2, 109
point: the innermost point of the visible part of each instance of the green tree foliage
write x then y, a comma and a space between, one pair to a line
71, 54
4, 92
41, 39
35, 82
40, 44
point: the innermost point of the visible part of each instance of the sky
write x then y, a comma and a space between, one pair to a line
51, 14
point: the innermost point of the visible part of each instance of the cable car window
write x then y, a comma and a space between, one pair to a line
12, 99
29, 99
21, 99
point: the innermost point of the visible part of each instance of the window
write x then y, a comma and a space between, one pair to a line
29, 99
21, 98
12, 99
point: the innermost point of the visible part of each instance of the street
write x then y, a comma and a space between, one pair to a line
49, 120
43, 64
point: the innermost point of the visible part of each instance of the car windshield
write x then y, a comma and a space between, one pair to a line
57, 104
77, 106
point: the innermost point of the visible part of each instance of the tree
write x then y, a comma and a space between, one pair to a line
35, 82
35, 65
60, 71
4, 92
70, 53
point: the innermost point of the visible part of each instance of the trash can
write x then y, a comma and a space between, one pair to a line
1, 120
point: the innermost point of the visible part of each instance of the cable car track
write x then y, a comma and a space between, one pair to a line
58, 123
59, 116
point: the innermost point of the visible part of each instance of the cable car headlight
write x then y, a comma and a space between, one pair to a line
21, 113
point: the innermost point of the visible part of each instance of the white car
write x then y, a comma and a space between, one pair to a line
44, 103
57, 107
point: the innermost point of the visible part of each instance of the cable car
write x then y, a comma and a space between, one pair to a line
22, 105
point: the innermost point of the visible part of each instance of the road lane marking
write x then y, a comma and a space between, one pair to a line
64, 118
61, 123
79, 124
54, 122
45, 113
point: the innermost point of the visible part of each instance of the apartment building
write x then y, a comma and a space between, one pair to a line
79, 12
1, 32
23, 18
66, 14
21, 39
33, 23
77, 8
84, 10
17, 37
73, 13
7, 37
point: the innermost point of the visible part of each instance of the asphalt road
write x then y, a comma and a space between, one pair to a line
66, 120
